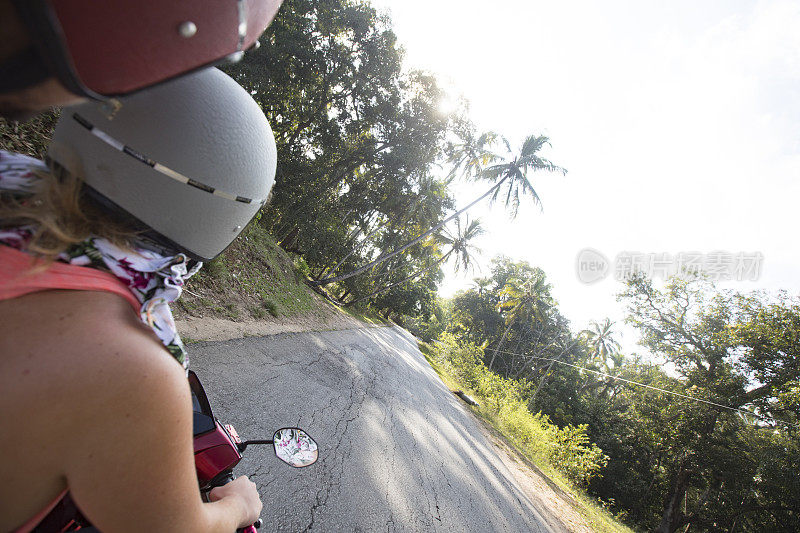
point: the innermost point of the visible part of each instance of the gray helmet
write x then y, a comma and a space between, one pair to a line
193, 159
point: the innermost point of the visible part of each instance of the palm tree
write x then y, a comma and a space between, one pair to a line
402, 213
522, 300
604, 353
473, 155
509, 174
481, 284
461, 243
602, 344
460, 248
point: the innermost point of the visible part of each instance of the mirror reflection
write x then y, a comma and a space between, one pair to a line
295, 447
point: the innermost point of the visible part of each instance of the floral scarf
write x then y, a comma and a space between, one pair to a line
155, 280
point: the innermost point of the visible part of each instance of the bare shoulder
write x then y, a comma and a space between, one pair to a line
77, 328
78, 369
84, 346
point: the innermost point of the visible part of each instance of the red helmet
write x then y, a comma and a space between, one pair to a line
114, 47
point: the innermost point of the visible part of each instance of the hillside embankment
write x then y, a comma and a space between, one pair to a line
255, 289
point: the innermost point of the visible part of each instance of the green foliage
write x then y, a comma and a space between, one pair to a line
31, 137
575, 455
567, 449
255, 275
474, 317
230, 311
672, 462
360, 141
433, 328
738, 350
475, 158
427, 329
301, 268
789, 399
357, 140
601, 341
270, 306
216, 268
459, 252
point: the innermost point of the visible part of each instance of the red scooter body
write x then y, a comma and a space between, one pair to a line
215, 446
214, 454
215, 450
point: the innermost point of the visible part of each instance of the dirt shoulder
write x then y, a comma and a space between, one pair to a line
554, 505
212, 328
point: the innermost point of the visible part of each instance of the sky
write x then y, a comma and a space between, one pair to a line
678, 123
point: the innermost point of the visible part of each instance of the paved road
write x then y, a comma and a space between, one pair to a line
398, 452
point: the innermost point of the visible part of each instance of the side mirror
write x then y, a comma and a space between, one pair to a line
295, 447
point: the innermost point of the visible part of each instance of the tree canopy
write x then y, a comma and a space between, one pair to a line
701, 433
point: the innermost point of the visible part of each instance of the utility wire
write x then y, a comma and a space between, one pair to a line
715, 404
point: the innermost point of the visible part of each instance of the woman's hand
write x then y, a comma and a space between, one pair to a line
243, 490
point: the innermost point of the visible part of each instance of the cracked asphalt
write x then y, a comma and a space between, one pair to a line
397, 451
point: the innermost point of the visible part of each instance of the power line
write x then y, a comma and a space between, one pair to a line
673, 393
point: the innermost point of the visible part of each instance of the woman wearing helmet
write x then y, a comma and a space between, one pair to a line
95, 396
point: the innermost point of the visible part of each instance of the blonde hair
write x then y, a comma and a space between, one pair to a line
61, 214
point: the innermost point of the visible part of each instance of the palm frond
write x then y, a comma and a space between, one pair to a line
532, 144
493, 172
496, 192
487, 138
507, 145
538, 163
511, 188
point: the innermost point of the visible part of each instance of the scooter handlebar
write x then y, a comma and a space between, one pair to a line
249, 529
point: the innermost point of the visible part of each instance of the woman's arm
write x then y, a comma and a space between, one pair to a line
130, 461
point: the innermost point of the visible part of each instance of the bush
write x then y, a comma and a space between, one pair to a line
270, 306
301, 269
432, 328
567, 449
217, 268
424, 329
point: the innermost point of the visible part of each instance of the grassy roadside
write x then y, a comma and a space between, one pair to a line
253, 279
368, 316
257, 289
596, 516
